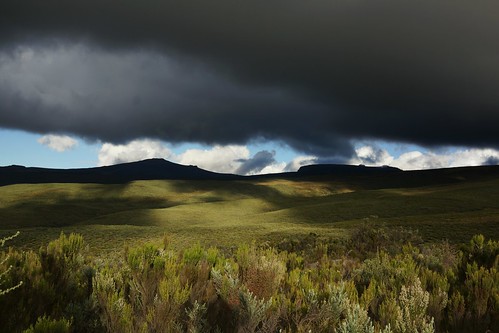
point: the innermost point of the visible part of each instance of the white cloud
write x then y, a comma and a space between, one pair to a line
373, 156
430, 160
416, 160
218, 158
226, 159
230, 158
300, 161
134, 151
274, 168
59, 143
223, 159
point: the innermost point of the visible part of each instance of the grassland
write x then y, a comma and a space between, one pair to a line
226, 213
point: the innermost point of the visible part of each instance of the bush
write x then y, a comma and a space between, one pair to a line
48, 325
5, 270
156, 289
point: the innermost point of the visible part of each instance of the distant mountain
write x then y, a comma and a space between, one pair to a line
390, 177
341, 169
114, 174
367, 177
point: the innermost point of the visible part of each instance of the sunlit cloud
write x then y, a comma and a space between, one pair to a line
59, 143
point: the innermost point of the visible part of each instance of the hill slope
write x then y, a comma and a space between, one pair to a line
115, 174
451, 203
144, 200
160, 169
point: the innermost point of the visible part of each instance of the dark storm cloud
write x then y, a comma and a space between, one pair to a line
491, 161
314, 74
257, 163
371, 155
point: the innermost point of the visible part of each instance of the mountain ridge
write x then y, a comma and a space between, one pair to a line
160, 169
150, 169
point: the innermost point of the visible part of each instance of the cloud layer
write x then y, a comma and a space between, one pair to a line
59, 143
417, 160
136, 150
238, 159
223, 159
313, 74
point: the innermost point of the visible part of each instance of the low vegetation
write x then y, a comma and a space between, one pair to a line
228, 213
254, 255
379, 279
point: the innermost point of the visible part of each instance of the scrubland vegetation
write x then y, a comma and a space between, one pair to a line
379, 279
259, 255
228, 213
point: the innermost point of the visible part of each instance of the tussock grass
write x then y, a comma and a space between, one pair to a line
226, 213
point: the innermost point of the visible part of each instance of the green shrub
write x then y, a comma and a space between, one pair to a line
4, 269
157, 289
413, 302
356, 321
482, 288
48, 325
456, 310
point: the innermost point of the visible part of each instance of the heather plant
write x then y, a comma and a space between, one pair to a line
115, 312
227, 283
256, 289
167, 313
368, 296
475, 287
441, 257
5, 270
47, 325
393, 271
356, 321
22, 308
253, 313
146, 266
482, 290
57, 281
438, 287
413, 303
314, 309
456, 310
64, 267
261, 271
382, 277
152, 292
369, 238
197, 318
194, 254
388, 312
484, 253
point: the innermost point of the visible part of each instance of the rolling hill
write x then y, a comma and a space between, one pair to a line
115, 174
142, 201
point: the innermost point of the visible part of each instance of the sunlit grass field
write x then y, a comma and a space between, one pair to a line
226, 213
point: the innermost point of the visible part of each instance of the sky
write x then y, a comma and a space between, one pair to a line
249, 87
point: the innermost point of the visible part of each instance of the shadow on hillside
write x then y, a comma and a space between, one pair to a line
58, 209
227, 191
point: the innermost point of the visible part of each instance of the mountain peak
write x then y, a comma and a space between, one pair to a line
343, 169
154, 168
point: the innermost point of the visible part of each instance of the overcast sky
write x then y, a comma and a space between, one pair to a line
250, 86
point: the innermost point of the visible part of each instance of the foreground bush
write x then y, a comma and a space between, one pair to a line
323, 288
5, 269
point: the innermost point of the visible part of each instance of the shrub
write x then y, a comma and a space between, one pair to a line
482, 290
413, 301
154, 289
456, 310
356, 321
5, 270
261, 271
48, 325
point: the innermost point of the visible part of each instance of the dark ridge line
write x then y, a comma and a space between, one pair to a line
160, 169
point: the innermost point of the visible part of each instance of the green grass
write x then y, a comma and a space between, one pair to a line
225, 213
